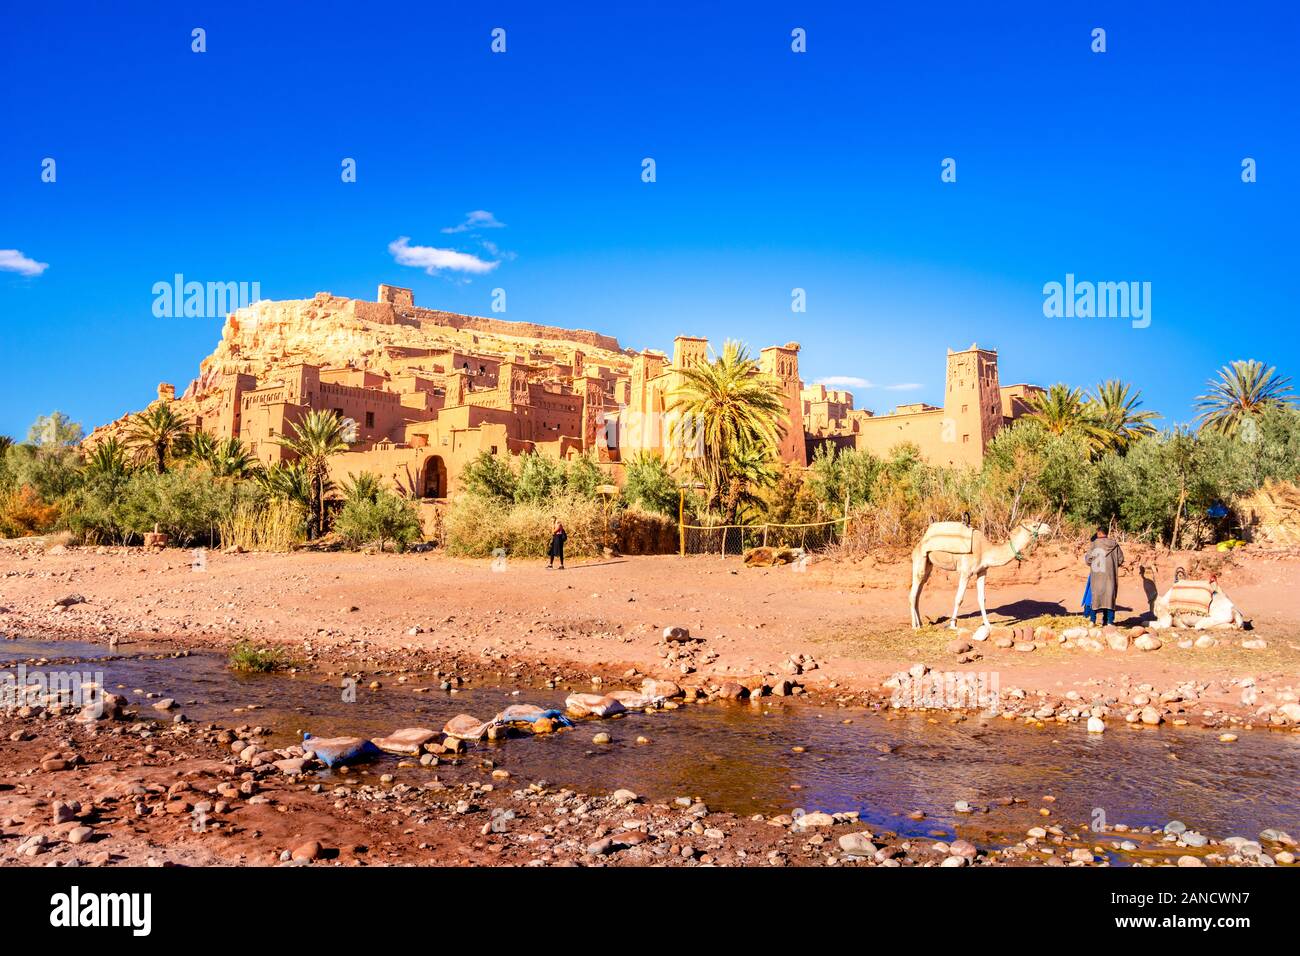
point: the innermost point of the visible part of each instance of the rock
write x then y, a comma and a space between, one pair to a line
1227, 738
69, 599
1150, 716
958, 647
623, 797
601, 738
1204, 641
292, 766
1190, 861
1175, 827
1274, 835
962, 848
815, 819
1024, 647
408, 740
858, 844
307, 852
1254, 645
954, 861
1291, 711
1082, 855
733, 691
1096, 725
80, 834
961, 806
677, 635
1148, 642
1192, 838
1116, 640
601, 847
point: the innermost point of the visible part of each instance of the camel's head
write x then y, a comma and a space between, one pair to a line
1036, 529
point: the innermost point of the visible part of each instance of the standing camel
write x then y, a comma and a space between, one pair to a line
952, 546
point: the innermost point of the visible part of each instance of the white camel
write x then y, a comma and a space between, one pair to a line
952, 546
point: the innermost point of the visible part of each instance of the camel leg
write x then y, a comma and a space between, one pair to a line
920, 571
979, 591
956, 604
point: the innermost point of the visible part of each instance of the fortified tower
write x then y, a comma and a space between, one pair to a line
972, 405
782, 363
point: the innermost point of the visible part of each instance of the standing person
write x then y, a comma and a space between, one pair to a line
1104, 559
556, 550
1087, 588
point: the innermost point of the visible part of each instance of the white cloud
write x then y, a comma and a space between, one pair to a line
477, 219
433, 260
11, 260
844, 381
852, 381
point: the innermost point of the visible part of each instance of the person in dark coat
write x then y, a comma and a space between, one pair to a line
1104, 559
556, 550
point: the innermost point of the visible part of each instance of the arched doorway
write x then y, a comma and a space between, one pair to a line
435, 478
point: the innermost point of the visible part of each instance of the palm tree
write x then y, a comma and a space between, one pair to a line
316, 436
363, 487
1116, 405
288, 481
733, 411
107, 460
1243, 390
1063, 410
750, 468
231, 459
196, 446
153, 432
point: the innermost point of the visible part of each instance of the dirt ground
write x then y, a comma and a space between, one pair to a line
137, 792
607, 616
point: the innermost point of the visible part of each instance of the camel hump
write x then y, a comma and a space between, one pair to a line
951, 536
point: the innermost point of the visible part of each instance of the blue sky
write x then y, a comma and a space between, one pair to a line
775, 170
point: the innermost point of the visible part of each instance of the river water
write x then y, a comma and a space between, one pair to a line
740, 757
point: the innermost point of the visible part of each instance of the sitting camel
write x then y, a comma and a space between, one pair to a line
953, 546
1199, 605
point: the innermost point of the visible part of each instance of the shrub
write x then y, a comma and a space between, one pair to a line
380, 519
272, 525
540, 479
477, 527
648, 485
489, 476
248, 658
23, 513
185, 503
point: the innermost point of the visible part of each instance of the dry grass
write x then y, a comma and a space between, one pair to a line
275, 526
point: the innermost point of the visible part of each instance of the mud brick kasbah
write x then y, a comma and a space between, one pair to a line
429, 390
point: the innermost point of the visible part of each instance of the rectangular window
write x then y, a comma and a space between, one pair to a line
370, 419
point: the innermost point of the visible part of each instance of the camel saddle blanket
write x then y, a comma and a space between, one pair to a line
950, 536
1191, 597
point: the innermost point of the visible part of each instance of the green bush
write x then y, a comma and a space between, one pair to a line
248, 658
378, 520
649, 485
489, 476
